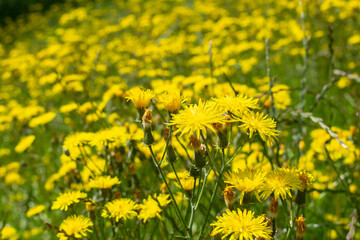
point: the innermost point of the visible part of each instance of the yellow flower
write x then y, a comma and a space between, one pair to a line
103, 182
172, 101
42, 119
64, 200
8, 233
237, 105
74, 227
198, 118
152, 208
139, 97
24, 143
257, 122
35, 210
122, 208
241, 225
280, 182
246, 181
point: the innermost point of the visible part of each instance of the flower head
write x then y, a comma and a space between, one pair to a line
229, 196
121, 208
75, 227
64, 200
246, 181
103, 182
241, 225
280, 182
198, 118
172, 101
237, 105
300, 227
24, 143
141, 98
257, 122
151, 206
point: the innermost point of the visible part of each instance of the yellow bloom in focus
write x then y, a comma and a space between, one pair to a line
35, 210
24, 143
237, 105
152, 208
280, 182
122, 208
306, 178
172, 101
103, 182
8, 233
246, 181
42, 119
241, 225
64, 200
74, 227
257, 122
139, 97
198, 118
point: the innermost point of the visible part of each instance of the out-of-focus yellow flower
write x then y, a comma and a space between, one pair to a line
24, 143
8, 233
237, 105
152, 208
35, 210
172, 101
103, 182
42, 119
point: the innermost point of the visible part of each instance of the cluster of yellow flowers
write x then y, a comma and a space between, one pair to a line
128, 119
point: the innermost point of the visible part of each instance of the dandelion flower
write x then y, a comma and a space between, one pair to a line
24, 143
74, 227
64, 200
241, 225
198, 118
246, 181
35, 210
152, 208
237, 105
139, 97
257, 122
280, 182
172, 101
121, 208
103, 182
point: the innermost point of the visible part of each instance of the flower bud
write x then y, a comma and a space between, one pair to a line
199, 157
146, 122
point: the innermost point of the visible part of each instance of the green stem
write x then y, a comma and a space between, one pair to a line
202, 188
213, 194
167, 186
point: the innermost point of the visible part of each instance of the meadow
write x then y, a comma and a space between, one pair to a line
184, 119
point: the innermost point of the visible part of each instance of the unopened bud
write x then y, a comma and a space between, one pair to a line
146, 122
199, 157
194, 172
170, 154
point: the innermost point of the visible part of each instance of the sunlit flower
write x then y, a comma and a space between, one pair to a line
196, 118
103, 182
281, 182
256, 122
141, 98
237, 105
246, 181
172, 101
151, 206
241, 225
8, 233
74, 227
64, 200
121, 208
35, 210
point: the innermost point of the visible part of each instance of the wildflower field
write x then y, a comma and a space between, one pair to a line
184, 119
